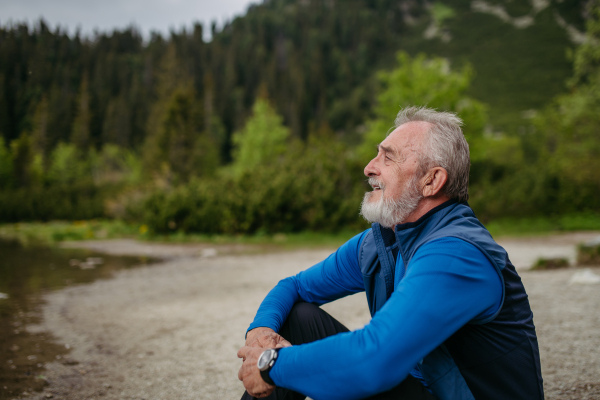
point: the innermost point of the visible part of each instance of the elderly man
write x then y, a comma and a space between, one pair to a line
450, 316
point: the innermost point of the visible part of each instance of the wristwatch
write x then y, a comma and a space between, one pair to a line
265, 363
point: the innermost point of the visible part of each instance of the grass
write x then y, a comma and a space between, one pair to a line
50, 233
59, 231
544, 225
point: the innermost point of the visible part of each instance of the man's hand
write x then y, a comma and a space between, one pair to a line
249, 373
265, 338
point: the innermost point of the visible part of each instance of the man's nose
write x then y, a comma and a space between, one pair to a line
370, 169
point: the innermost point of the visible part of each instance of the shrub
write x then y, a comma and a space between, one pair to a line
550, 263
588, 254
68, 202
317, 188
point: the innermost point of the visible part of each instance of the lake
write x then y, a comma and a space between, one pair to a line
26, 273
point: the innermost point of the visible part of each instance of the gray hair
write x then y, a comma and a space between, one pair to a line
445, 146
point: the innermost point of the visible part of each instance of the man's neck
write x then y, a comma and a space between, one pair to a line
425, 205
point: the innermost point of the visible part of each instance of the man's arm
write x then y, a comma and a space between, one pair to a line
335, 277
448, 284
332, 278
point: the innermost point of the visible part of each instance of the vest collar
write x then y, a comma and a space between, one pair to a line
408, 225
411, 234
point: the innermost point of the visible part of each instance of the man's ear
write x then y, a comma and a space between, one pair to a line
433, 181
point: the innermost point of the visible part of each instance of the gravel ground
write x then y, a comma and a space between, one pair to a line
172, 330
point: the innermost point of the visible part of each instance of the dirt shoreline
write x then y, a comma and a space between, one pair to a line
171, 330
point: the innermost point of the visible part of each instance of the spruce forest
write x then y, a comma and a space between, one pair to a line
267, 126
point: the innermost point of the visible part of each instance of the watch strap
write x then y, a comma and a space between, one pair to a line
265, 374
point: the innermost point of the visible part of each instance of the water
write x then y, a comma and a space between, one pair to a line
26, 273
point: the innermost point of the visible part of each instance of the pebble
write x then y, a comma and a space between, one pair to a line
210, 252
585, 277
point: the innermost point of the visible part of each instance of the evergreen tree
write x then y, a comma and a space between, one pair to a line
39, 128
262, 140
117, 122
6, 166
22, 155
80, 132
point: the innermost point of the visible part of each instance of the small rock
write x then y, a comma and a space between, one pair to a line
3, 296
94, 260
74, 262
585, 276
593, 242
87, 265
49, 395
210, 252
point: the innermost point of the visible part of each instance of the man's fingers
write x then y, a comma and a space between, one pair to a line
242, 352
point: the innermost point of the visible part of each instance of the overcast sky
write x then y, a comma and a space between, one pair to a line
147, 15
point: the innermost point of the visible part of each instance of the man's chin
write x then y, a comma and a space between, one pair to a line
371, 208
373, 196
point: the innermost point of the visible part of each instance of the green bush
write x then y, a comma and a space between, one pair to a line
588, 254
543, 264
69, 202
317, 188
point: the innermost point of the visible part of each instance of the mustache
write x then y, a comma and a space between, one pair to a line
375, 182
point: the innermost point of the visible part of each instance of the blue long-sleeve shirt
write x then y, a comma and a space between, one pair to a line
448, 283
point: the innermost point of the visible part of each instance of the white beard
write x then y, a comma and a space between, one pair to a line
391, 212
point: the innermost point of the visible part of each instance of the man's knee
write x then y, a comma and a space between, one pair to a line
308, 322
303, 311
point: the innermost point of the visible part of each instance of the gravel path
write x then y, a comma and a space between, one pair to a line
172, 330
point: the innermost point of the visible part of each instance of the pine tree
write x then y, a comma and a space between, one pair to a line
39, 128
262, 140
6, 166
117, 122
80, 132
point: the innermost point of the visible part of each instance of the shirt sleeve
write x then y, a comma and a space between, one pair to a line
448, 283
333, 278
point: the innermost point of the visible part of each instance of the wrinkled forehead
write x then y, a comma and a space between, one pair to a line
408, 136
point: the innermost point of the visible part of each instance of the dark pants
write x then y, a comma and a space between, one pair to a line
307, 323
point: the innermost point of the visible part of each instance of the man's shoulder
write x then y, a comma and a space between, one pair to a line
464, 227
351, 249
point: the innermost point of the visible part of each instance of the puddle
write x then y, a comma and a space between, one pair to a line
26, 273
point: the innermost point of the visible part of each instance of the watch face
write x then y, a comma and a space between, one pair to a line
263, 361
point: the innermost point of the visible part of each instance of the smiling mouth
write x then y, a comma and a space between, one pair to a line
376, 185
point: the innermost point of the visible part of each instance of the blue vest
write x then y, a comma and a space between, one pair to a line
495, 358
